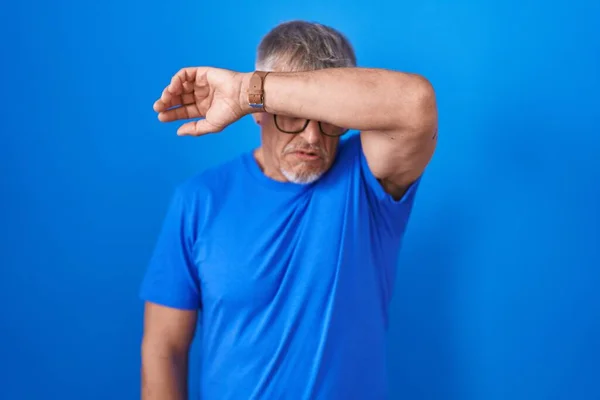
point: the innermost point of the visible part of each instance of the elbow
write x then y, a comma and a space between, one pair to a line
424, 99
424, 107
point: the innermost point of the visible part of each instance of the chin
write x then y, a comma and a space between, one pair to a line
303, 176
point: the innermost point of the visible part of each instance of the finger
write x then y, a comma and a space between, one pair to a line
185, 79
188, 87
183, 100
165, 101
177, 87
159, 106
169, 101
183, 112
184, 85
183, 75
197, 128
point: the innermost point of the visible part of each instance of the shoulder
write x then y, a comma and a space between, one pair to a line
210, 182
351, 156
350, 146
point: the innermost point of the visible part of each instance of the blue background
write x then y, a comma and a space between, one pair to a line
498, 289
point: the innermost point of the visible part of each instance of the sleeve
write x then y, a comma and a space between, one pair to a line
391, 212
171, 278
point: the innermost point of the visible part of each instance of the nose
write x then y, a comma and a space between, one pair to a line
312, 133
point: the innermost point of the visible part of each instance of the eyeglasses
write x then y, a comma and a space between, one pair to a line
296, 125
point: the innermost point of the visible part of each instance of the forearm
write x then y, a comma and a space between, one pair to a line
357, 98
164, 376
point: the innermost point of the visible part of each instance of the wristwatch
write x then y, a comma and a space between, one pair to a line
256, 94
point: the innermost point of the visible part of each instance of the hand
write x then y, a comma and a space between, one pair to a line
201, 92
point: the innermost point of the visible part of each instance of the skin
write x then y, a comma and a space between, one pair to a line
303, 157
395, 112
168, 334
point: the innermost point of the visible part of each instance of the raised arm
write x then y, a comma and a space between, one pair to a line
396, 112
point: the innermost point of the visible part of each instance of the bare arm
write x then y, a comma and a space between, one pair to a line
168, 333
395, 112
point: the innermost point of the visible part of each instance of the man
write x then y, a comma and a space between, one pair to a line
289, 251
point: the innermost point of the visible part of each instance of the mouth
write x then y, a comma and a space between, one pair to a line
306, 155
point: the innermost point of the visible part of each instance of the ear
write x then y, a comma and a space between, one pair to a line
257, 117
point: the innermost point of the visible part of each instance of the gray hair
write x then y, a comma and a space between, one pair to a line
297, 46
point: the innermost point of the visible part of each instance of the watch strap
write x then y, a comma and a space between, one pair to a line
256, 94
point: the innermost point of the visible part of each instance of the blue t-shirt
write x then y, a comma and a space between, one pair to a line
293, 281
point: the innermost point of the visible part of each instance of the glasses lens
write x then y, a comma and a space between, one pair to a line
290, 124
332, 130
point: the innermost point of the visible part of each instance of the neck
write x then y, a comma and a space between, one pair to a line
267, 165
